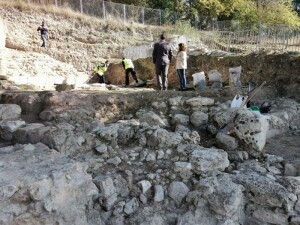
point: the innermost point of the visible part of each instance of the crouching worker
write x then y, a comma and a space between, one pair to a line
129, 68
100, 69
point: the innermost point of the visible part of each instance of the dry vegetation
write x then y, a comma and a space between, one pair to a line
80, 19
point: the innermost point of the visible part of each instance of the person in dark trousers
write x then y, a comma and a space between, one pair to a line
129, 68
162, 56
44, 33
181, 65
100, 69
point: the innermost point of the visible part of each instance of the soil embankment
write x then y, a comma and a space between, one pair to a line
281, 71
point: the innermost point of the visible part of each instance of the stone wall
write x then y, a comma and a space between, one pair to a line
2, 45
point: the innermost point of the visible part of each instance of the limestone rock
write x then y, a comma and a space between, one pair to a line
114, 161
270, 217
30, 133
178, 191
181, 119
206, 160
224, 197
101, 148
131, 206
145, 185
40, 185
201, 216
163, 138
265, 191
10, 112
184, 169
226, 142
7, 128
158, 193
251, 129
176, 101
199, 101
199, 119
151, 118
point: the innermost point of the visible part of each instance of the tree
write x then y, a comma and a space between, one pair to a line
267, 12
141, 3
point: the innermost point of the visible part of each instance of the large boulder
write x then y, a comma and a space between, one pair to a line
264, 190
39, 186
224, 197
10, 112
251, 129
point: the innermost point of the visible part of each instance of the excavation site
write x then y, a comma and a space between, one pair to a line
77, 152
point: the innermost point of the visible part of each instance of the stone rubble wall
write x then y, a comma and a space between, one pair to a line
146, 167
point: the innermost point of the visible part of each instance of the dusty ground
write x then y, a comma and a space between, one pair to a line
286, 146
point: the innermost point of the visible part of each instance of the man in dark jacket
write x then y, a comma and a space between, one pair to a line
44, 32
162, 56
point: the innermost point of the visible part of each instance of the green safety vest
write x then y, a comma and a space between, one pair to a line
100, 69
128, 63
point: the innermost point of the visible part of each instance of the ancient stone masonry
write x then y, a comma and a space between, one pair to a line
147, 166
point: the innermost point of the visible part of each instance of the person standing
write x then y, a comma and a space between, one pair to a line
162, 56
44, 33
129, 68
181, 65
100, 69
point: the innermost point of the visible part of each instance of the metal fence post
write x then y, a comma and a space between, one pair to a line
103, 7
229, 42
159, 17
285, 40
81, 10
259, 35
143, 16
124, 13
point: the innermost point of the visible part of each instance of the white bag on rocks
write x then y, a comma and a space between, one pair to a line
237, 101
199, 80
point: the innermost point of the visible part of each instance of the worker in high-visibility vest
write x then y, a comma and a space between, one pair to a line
129, 68
100, 69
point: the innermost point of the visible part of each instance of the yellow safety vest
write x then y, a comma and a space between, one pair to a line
128, 63
100, 69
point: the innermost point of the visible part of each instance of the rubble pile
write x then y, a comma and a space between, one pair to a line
111, 161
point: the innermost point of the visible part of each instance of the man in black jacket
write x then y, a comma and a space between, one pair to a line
44, 32
162, 56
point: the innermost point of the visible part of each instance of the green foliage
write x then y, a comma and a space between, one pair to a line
278, 12
141, 3
248, 11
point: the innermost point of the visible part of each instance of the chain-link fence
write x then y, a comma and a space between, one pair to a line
107, 10
230, 35
278, 38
